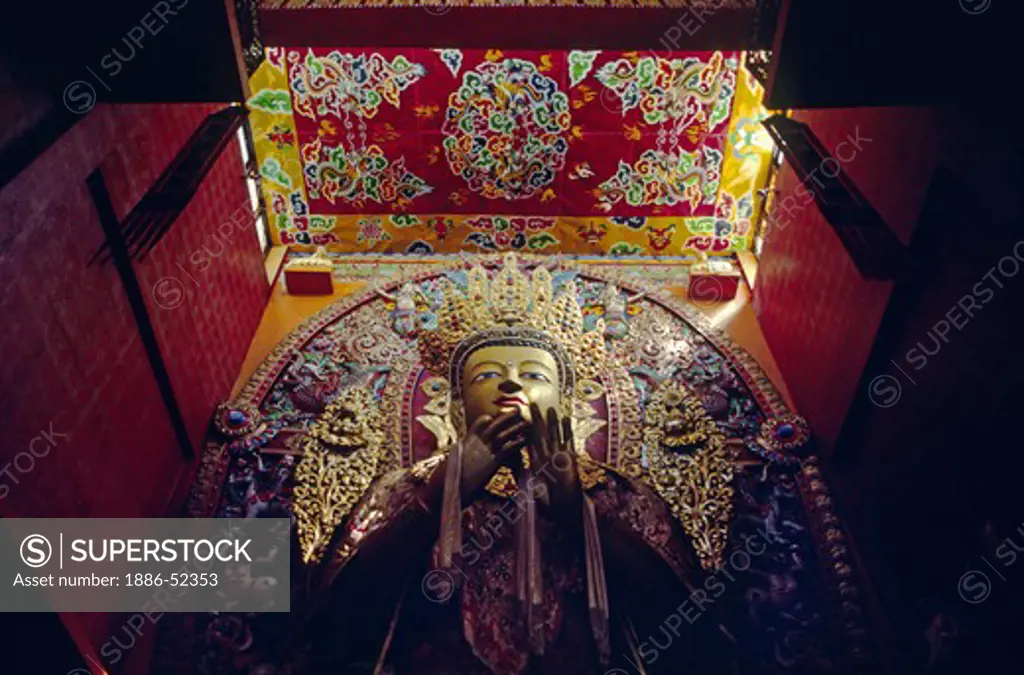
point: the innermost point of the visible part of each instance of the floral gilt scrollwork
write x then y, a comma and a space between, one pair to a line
342, 454
690, 469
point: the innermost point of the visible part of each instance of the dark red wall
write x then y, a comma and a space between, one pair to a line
929, 481
818, 315
72, 361
931, 478
204, 283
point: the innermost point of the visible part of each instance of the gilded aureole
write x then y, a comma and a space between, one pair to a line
511, 551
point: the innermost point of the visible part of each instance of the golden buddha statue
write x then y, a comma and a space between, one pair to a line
510, 550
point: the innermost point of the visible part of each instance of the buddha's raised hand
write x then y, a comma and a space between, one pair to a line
553, 460
491, 442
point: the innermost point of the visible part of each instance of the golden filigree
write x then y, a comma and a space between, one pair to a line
690, 469
591, 472
437, 419
342, 454
656, 337
684, 424
623, 398
503, 483
365, 338
391, 399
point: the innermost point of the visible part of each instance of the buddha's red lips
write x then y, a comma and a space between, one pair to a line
509, 400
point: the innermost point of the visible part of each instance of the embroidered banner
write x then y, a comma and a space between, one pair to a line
440, 150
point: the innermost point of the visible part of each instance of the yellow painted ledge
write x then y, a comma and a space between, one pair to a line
274, 262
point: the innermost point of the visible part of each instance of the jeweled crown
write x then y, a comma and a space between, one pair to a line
512, 308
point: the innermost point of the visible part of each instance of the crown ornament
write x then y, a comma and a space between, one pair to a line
514, 309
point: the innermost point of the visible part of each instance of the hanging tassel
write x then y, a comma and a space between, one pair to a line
382, 657
597, 587
633, 643
451, 511
529, 580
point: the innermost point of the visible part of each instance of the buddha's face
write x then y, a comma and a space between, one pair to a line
500, 378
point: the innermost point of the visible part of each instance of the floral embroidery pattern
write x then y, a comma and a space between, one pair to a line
665, 179
342, 84
580, 63
500, 233
505, 129
683, 90
333, 173
452, 59
445, 145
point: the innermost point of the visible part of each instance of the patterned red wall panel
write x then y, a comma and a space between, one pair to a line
818, 315
148, 138
73, 359
890, 154
73, 363
408, 92
205, 290
72, 354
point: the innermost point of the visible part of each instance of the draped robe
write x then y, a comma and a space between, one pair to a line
378, 604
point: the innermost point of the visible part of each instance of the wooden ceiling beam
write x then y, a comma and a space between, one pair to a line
549, 27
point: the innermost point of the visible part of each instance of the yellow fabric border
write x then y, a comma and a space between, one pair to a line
745, 171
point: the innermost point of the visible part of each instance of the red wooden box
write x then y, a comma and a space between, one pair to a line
713, 282
308, 281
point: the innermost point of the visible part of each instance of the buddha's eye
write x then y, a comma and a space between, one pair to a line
540, 377
486, 375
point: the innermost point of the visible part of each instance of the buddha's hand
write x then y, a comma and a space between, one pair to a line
491, 442
553, 462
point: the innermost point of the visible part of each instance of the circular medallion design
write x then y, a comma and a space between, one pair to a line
785, 434
505, 129
236, 420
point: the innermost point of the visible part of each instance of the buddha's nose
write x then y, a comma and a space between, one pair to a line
510, 387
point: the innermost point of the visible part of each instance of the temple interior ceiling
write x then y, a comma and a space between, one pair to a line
448, 150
